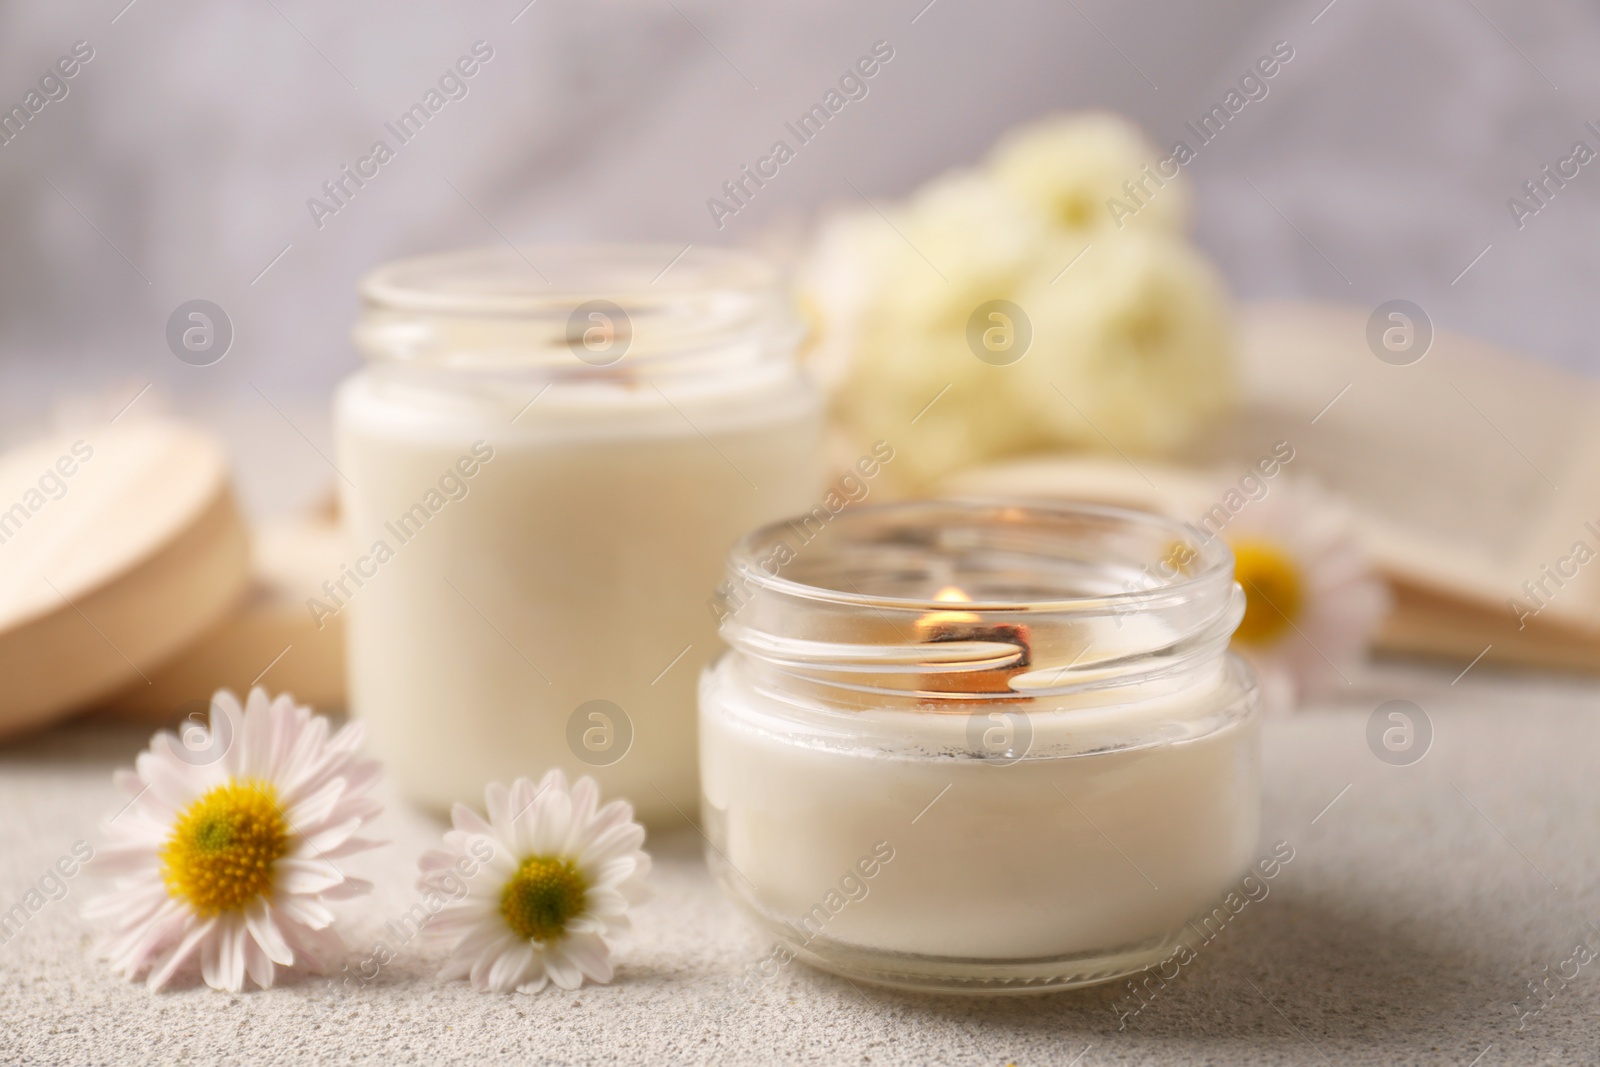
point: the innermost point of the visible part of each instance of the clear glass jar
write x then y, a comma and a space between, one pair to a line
544, 463
980, 747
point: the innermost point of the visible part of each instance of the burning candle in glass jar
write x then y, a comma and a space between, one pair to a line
1028, 781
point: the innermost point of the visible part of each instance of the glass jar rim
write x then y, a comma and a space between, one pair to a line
1033, 600
503, 280
1211, 563
581, 313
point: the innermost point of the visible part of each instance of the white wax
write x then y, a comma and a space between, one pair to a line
1076, 849
576, 567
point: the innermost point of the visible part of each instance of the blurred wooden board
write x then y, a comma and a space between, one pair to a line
119, 546
270, 639
1424, 623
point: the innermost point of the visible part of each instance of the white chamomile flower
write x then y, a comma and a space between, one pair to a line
1312, 599
1074, 166
1135, 354
1131, 349
552, 901
228, 846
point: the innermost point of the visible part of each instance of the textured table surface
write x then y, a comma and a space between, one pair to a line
1416, 911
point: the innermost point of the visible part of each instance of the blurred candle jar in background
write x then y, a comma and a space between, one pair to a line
981, 748
544, 462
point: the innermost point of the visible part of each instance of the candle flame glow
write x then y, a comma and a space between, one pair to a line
949, 595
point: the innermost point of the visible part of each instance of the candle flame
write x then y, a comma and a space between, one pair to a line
949, 595
970, 681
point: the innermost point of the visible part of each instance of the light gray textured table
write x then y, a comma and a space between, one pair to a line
1405, 930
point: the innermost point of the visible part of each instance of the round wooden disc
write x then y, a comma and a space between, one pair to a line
119, 545
270, 639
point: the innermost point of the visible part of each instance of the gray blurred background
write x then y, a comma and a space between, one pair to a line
180, 160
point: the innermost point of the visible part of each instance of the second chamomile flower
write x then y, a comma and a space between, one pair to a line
1312, 597
552, 902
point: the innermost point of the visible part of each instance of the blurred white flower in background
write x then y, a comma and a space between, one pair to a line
1312, 599
1139, 343
1123, 328
1070, 166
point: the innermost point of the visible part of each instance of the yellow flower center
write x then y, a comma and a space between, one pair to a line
1272, 591
223, 846
1147, 329
1074, 211
542, 897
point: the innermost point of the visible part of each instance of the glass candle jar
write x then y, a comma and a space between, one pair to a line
980, 747
544, 464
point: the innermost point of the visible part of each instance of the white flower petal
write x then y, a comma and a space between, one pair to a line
614, 814
306, 876
362, 775
226, 728
589, 954
563, 972
618, 928
169, 784
162, 973
555, 779
255, 743
222, 955
322, 842
524, 806
550, 829
497, 803
616, 842
313, 949
512, 969
489, 957
304, 911
350, 847
454, 922
436, 859
365, 808
261, 969
585, 799
486, 939
264, 932
135, 944
313, 809
636, 890
122, 858
211, 955
605, 902
501, 864
465, 819
257, 702
137, 900
587, 923
306, 767
348, 889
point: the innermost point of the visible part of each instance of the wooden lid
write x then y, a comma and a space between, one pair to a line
270, 639
119, 546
